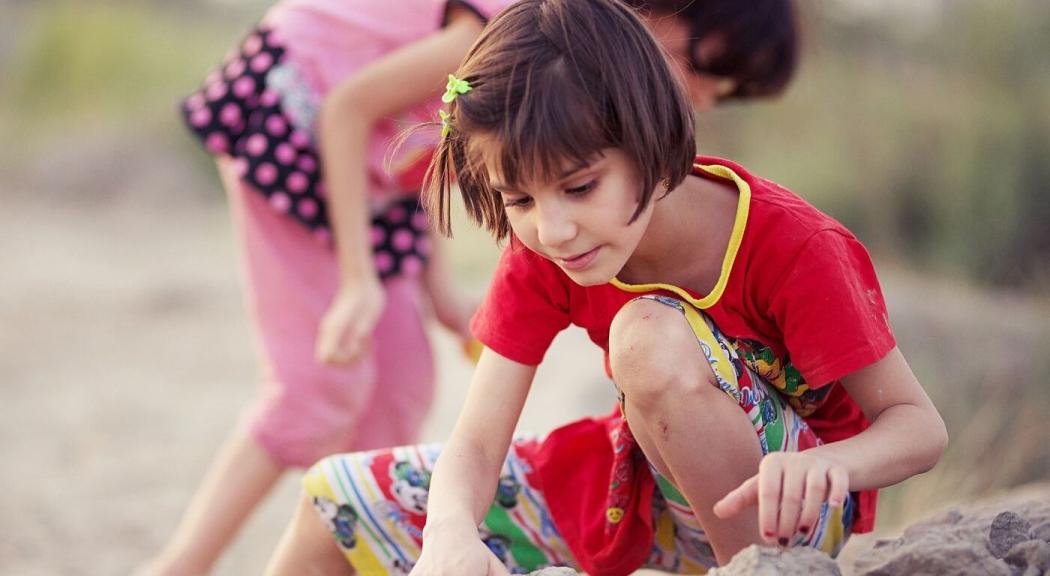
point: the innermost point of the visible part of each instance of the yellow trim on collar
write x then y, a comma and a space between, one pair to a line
739, 223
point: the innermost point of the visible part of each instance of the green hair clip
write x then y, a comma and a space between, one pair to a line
444, 123
454, 88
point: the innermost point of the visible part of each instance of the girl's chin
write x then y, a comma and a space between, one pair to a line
588, 277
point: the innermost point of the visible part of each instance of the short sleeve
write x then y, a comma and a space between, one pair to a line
831, 309
525, 307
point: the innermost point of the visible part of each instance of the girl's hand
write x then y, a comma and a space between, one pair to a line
455, 556
346, 328
790, 488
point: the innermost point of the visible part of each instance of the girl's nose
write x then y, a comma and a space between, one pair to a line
555, 226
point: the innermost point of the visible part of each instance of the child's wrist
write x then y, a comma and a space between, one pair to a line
358, 276
451, 526
356, 265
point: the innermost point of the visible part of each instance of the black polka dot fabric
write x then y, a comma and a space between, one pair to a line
236, 113
400, 239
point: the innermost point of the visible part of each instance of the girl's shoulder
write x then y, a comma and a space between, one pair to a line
485, 9
398, 18
363, 15
772, 209
778, 211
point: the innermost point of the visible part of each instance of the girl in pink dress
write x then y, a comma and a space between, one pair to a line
337, 270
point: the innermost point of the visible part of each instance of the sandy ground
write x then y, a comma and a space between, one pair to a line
126, 357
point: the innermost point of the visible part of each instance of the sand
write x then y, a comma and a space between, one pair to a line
126, 357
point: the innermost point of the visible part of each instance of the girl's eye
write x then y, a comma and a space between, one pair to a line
583, 189
520, 202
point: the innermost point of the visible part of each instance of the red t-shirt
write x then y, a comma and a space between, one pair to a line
800, 295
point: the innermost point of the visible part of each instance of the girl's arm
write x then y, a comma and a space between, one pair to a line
466, 474
396, 82
906, 437
450, 308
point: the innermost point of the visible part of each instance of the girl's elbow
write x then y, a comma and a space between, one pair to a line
332, 105
937, 435
344, 105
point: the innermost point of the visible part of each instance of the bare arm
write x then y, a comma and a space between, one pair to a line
451, 308
906, 437
464, 481
396, 82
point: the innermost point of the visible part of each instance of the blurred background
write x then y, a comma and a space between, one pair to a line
124, 350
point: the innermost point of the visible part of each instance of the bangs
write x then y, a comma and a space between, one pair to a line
555, 122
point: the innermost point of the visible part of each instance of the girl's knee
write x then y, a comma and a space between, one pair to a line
338, 516
337, 519
298, 430
654, 354
300, 448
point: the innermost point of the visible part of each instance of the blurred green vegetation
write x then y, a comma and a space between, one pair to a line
119, 63
927, 139
926, 135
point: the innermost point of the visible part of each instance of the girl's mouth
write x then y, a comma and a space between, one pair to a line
580, 261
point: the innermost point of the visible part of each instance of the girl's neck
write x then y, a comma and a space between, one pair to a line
686, 240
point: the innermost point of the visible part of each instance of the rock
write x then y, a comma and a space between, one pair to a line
989, 539
1032, 555
1006, 536
554, 571
1008, 529
763, 561
1041, 531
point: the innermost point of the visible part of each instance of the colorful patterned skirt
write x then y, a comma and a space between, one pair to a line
375, 502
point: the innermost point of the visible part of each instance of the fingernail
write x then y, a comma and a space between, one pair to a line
769, 535
803, 529
783, 541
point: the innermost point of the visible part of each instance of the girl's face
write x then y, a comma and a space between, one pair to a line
580, 219
672, 33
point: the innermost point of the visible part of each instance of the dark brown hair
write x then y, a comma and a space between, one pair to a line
555, 81
759, 40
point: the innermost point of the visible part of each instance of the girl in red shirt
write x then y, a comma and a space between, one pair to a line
762, 396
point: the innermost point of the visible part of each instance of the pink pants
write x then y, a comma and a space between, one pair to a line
308, 410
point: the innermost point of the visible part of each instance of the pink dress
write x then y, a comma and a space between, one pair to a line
257, 113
